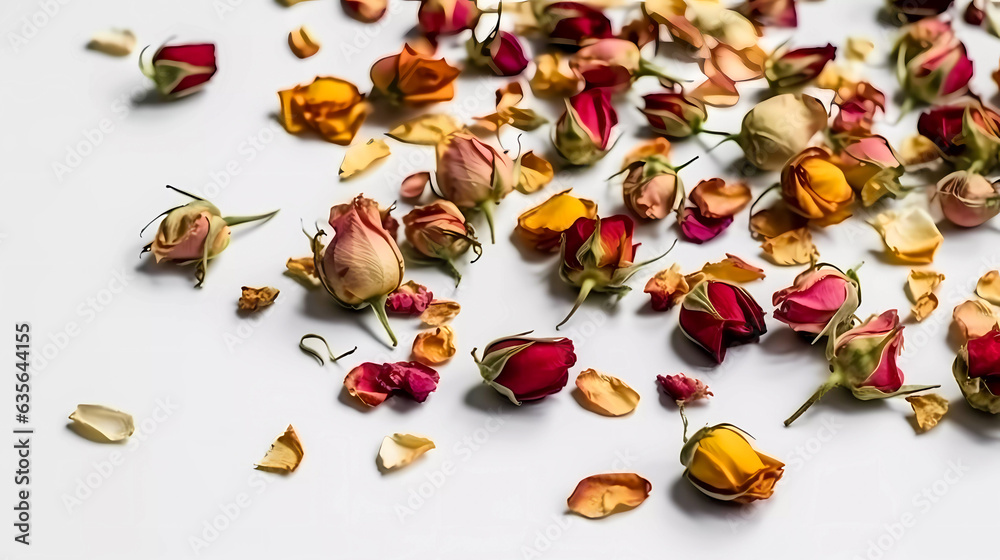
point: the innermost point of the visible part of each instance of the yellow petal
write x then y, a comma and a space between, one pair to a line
859, 48
302, 42
399, 450
284, 455
790, 248
542, 225
974, 318
554, 78
605, 394
921, 283
536, 172
929, 409
910, 234
303, 269
918, 149
604, 494
924, 306
732, 269
115, 42
434, 346
427, 130
988, 287
439, 312
253, 299
102, 424
360, 156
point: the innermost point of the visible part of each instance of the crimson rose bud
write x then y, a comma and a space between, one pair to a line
526, 369
682, 388
569, 23
797, 67
674, 114
977, 370
180, 70
716, 315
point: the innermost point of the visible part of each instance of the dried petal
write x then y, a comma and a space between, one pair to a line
362, 382
303, 269
428, 130
542, 226
255, 298
554, 77
667, 287
604, 494
790, 248
439, 312
718, 90
284, 455
717, 199
101, 423
774, 221
302, 42
409, 298
115, 42
924, 306
732, 269
536, 172
413, 187
399, 450
859, 48
910, 234
918, 149
922, 282
975, 318
434, 346
360, 157
988, 287
929, 408
607, 395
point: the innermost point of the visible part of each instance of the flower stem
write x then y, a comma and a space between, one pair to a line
450, 267
685, 419
715, 132
585, 289
488, 212
823, 389
237, 220
378, 306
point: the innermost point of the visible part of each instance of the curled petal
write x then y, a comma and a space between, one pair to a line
910, 234
717, 199
434, 346
399, 450
542, 226
605, 394
667, 287
536, 172
253, 299
284, 455
102, 423
362, 382
928, 409
698, 228
604, 494
988, 287
975, 318
413, 186
732, 269
360, 157
439, 312
790, 248
920, 286
428, 130
302, 42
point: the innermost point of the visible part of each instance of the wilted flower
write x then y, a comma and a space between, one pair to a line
597, 255
977, 371
772, 13
722, 463
365, 11
195, 233
471, 174
674, 114
780, 127
526, 369
820, 302
439, 231
786, 69
332, 107
501, 52
968, 199
683, 389
179, 70
412, 78
931, 63
542, 226
872, 168
583, 133
716, 315
570, 23
967, 134
652, 189
446, 17
815, 188
362, 264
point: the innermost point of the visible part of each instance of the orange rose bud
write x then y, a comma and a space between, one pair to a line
814, 187
412, 78
334, 108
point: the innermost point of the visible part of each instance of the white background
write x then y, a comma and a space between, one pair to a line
855, 470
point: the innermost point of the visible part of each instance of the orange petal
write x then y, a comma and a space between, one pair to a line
434, 346
988, 287
909, 234
542, 225
605, 394
302, 42
974, 318
439, 312
256, 298
790, 248
774, 221
718, 90
604, 494
732, 269
536, 172
284, 455
717, 199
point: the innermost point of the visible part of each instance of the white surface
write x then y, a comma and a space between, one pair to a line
855, 470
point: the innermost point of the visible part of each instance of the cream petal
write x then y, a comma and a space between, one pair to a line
439, 312
399, 450
360, 157
428, 130
910, 234
928, 408
284, 455
100, 423
988, 287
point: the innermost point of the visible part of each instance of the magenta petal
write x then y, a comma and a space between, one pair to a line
887, 377
507, 55
412, 378
960, 74
699, 229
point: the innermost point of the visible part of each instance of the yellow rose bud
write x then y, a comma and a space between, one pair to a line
815, 188
722, 463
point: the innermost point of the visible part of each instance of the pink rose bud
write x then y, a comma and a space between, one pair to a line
607, 63
365, 11
652, 196
471, 174
858, 109
446, 17
526, 369
674, 114
790, 69
698, 228
968, 199
683, 389
977, 371
938, 74
570, 23
373, 383
583, 133
179, 70
409, 299
821, 301
716, 315
502, 52
439, 232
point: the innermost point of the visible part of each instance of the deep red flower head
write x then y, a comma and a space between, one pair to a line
597, 114
717, 315
615, 243
682, 388
572, 22
538, 370
984, 360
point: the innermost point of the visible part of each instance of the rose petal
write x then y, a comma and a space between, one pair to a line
917, 150
253, 299
362, 382
100, 423
605, 394
924, 306
920, 283
284, 455
399, 450
667, 287
988, 287
929, 408
859, 48
304, 269
409, 298
428, 130
604, 494
114, 42
536, 172
732, 269
790, 248
774, 221
413, 186
975, 318
361, 156
699, 229
439, 312
718, 90
434, 346
910, 234
303, 42
717, 199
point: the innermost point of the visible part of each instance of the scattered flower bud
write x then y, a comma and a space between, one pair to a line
787, 69
815, 188
179, 70
716, 315
722, 463
821, 301
674, 114
968, 199
471, 174
526, 369
439, 232
780, 127
583, 133
977, 371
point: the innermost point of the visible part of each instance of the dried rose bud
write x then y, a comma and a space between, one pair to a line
502, 52
968, 134
439, 232
968, 199
446, 17
722, 463
780, 127
472, 174
977, 371
789, 69
583, 133
526, 369
819, 302
674, 114
683, 389
716, 315
179, 70
571, 23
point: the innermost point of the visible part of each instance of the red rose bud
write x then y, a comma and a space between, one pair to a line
819, 302
179, 70
912, 10
674, 114
698, 228
597, 255
526, 369
683, 389
968, 135
865, 362
977, 371
790, 69
583, 133
716, 315
373, 383
570, 23
446, 17
772, 13
974, 15
502, 52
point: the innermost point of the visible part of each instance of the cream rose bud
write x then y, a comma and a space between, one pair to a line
968, 199
780, 127
194, 231
652, 191
471, 173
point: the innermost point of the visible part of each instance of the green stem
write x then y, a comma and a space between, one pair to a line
450, 267
649, 69
905, 108
823, 389
585, 289
685, 419
378, 306
237, 220
488, 212
715, 132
